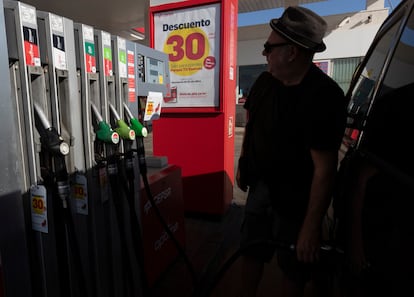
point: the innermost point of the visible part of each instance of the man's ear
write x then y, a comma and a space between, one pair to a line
293, 52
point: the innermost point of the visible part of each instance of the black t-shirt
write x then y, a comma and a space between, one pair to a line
284, 124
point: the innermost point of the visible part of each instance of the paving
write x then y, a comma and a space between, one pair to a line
212, 268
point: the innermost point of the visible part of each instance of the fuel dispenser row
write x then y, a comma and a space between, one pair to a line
77, 200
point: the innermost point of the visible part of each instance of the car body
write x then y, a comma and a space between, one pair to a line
373, 201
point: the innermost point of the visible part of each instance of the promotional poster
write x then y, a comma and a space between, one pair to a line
191, 38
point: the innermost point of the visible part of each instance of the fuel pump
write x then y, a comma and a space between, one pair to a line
110, 154
55, 149
125, 217
131, 168
127, 103
28, 84
140, 132
21, 33
153, 80
96, 132
14, 251
56, 39
129, 225
124, 66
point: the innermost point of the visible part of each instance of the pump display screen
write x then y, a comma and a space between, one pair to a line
153, 74
154, 71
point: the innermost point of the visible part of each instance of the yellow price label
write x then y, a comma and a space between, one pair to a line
79, 192
38, 204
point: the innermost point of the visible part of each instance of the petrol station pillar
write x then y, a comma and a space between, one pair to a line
196, 128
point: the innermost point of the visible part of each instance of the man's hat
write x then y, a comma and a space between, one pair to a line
301, 26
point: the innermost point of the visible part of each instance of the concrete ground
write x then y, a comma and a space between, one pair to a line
210, 246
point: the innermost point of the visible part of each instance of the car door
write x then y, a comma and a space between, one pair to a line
378, 153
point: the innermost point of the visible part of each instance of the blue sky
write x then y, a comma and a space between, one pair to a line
323, 8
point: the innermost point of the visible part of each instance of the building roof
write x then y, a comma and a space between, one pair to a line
256, 5
262, 31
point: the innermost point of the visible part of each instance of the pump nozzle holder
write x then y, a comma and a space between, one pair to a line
139, 129
106, 134
124, 131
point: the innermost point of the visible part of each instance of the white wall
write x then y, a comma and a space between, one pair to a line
349, 43
352, 39
250, 52
160, 2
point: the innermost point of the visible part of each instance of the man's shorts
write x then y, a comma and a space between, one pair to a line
259, 227
264, 231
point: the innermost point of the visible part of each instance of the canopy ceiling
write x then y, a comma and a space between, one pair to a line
121, 16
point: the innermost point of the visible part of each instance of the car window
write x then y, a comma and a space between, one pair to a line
390, 120
362, 92
401, 70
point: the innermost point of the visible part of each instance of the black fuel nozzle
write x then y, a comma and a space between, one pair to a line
49, 136
53, 143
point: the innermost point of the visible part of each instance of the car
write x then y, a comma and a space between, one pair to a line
373, 200
388, 65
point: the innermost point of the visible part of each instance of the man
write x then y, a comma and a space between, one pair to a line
290, 149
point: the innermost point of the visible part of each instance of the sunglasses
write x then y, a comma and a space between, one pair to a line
269, 46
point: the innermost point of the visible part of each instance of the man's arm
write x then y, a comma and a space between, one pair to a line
309, 239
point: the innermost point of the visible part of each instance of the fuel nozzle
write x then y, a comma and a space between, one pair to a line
49, 136
122, 128
142, 132
104, 132
135, 125
54, 143
138, 127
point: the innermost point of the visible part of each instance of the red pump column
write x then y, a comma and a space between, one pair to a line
196, 128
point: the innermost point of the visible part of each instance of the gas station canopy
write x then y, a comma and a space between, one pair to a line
120, 17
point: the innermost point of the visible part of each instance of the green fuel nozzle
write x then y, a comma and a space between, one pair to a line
139, 129
135, 125
104, 132
122, 128
124, 131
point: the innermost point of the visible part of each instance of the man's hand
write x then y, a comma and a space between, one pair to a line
308, 245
